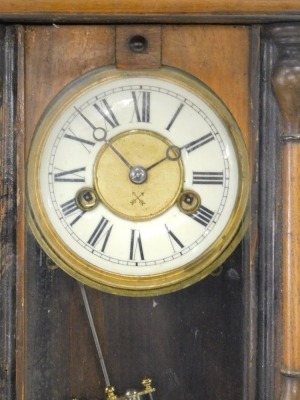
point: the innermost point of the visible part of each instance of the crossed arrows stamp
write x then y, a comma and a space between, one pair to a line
137, 198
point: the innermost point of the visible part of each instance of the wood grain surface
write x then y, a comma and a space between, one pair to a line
163, 7
20, 219
52, 62
286, 83
204, 52
148, 57
291, 246
8, 207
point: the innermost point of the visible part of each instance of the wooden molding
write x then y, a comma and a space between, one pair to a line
286, 84
286, 79
8, 211
134, 7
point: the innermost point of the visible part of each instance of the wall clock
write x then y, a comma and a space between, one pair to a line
137, 181
231, 326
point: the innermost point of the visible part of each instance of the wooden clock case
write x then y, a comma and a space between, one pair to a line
234, 335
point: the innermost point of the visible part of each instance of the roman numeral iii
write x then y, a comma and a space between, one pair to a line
208, 178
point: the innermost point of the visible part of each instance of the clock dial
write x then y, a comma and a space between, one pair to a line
137, 182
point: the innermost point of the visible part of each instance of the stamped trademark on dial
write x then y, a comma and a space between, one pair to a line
137, 198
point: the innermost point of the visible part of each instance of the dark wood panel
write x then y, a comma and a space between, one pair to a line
270, 230
61, 358
8, 206
182, 340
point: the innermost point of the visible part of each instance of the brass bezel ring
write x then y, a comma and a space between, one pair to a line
148, 285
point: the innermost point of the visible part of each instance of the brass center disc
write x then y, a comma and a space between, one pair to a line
131, 200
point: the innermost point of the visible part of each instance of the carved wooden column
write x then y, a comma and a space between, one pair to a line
286, 84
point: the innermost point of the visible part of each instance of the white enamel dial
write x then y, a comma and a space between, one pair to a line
137, 141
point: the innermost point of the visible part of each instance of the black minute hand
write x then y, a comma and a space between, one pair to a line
118, 154
100, 135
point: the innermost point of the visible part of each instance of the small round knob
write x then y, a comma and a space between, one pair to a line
87, 199
138, 175
189, 201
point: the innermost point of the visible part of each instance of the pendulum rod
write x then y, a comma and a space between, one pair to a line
93, 329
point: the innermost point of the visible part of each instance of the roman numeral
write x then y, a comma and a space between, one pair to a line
82, 141
174, 116
69, 208
69, 176
107, 113
195, 144
101, 234
142, 106
203, 215
136, 248
208, 178
175, 242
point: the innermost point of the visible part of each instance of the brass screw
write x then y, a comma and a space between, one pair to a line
188, 201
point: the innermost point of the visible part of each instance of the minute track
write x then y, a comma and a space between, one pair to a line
136, 246
139, 247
